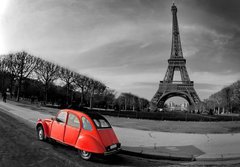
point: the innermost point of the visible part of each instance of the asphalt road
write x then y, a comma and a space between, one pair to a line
19, 147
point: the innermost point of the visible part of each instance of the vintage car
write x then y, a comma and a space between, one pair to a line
87, 131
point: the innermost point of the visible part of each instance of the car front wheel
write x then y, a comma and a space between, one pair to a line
85, 155
40, 133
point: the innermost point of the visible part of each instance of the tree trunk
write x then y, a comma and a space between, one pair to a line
82, 97
11, 86
19, 88
67, 94
46, 93
20, 80
91, 100
125, 104
3, 81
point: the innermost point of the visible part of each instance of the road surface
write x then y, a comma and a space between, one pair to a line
19, 147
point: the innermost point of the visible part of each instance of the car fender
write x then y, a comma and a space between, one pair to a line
45, 127
90, 144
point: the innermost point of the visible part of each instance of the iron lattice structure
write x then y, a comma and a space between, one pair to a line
169, 88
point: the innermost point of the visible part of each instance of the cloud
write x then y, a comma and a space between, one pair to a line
213, 78
126, 44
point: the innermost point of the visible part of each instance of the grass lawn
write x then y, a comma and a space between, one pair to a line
156, 125
176, 126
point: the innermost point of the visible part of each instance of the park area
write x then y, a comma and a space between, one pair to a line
211, 123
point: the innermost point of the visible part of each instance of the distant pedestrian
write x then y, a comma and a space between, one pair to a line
4, 96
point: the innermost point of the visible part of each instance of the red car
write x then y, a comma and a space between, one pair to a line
89, 132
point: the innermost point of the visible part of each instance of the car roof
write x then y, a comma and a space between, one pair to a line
89, 113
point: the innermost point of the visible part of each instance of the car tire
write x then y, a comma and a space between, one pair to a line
40, 134
85, 155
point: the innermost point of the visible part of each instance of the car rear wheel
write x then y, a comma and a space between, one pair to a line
40, 133
85, 155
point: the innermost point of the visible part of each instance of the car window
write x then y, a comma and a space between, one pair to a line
73, 121
101, 123
86, 124
62, 116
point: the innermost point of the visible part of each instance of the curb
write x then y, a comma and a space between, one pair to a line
218, 157
158, 156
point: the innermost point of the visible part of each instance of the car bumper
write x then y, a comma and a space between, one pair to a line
112, 151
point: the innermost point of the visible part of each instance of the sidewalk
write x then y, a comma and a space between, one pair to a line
158, 145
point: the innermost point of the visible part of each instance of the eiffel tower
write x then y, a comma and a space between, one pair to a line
169, 88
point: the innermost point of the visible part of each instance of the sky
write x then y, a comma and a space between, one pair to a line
126, 43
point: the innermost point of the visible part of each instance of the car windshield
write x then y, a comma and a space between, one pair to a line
99, 121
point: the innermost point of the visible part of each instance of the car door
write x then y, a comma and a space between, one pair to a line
58, 126
72, 129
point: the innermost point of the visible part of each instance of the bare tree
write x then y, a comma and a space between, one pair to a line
81, 82
121, 102
217, 101
47, 73
228, 98
11, 69
109, 97
67, 76
236, 95
227, 95
128, 100
132, 102
95, 87
2, 72
24, 65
